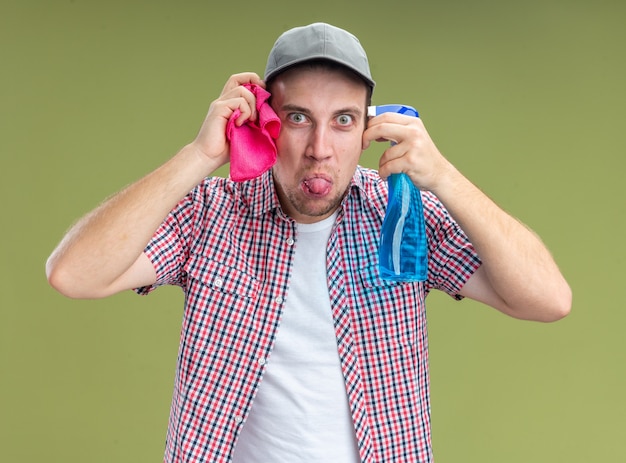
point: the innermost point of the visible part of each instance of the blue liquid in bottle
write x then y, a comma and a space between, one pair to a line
403, 252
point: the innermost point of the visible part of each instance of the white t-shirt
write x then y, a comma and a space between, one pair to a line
301, 411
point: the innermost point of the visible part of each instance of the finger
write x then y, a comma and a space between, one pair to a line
382, 132
248, 107
391, 154
237, 80
389, 167
389, 120
240, 99
399, 161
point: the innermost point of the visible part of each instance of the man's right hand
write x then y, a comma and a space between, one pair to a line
103, 252
211, 140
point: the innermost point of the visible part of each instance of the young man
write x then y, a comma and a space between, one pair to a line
292, 347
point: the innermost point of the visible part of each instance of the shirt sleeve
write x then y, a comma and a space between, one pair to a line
452, 258
168, 249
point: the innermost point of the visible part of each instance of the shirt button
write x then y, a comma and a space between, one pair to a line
278, 300
218, 282
261, 361
238, 419
290, 241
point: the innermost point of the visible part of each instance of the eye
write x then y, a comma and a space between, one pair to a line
297, 118
344, 119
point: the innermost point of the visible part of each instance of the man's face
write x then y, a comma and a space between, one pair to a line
322, 113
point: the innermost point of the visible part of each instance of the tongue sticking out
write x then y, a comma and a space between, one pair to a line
317, 186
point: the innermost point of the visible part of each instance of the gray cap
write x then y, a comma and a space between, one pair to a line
318, 41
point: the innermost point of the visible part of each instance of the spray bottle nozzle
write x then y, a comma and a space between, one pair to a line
392, 108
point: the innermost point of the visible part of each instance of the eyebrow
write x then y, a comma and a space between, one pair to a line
295, 108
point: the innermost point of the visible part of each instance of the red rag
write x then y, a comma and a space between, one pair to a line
252, 145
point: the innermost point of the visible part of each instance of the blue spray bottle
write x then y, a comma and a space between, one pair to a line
403, 252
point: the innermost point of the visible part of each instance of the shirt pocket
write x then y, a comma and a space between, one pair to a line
391, 311
220, 306
221, 279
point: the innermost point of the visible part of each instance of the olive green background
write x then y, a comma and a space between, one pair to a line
526, 98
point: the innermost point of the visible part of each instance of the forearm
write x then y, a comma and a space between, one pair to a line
105, 243
518, 275
102, 253
521, 277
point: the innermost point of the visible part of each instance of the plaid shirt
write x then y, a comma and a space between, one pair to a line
230, 247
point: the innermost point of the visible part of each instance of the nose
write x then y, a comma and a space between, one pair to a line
319, 146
